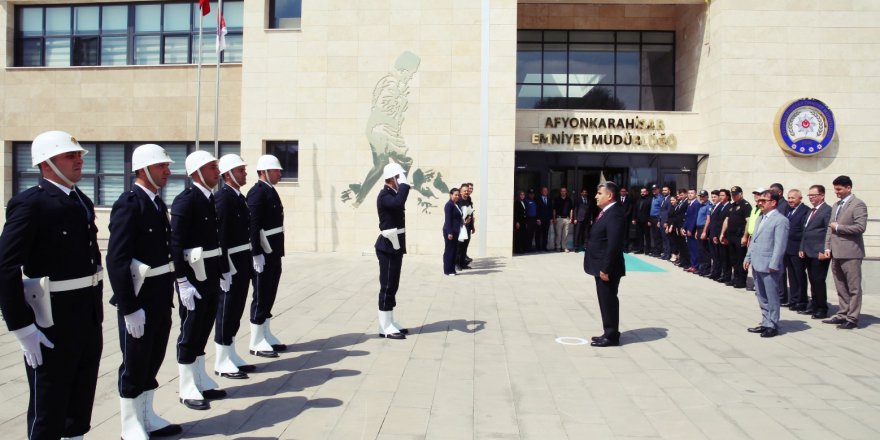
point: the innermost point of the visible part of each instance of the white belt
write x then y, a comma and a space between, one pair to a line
161, 270
273, 231
237, 249
399, 231
77, 283
212, 253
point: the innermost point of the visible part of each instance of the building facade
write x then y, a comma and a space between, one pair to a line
505, 94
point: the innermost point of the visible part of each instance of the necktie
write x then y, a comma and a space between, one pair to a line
812, 211
156, 201
792, 211
839, 207
75, 196
602, 212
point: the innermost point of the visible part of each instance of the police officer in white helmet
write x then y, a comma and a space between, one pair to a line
234, 217
390, 246
267, 242
200, 266
55, 312
142, 276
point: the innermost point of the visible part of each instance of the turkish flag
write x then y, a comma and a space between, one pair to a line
205, 6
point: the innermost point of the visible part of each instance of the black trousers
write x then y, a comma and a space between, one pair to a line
723, 266
196, 325
450, 254
715, 259
609, 306
705, 253
389, 279
230, 305
265, 290
541, 235
643, 237
520, 237
531, 230
817, 272
737, 253
656, 236
581, 233
62, 390
796, 270
461, 250
142, 357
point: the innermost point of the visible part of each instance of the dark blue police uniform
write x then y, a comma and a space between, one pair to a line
234, 216
391, 206
267, 213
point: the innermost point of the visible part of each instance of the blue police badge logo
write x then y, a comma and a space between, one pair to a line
804, 127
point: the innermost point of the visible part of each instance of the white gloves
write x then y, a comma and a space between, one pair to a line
259, 262
134, 323
226, 281
188, 294
402, 179
30, 338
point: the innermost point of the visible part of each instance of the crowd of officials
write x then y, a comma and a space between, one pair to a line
719, 235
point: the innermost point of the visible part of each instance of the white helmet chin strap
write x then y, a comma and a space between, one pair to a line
150, 177
202, 178
58, 173
232, 175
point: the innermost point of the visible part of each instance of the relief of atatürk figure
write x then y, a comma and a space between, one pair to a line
386, 142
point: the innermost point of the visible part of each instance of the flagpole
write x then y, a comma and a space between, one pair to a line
199, 79
217, 82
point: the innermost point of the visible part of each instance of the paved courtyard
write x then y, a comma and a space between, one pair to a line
483, 361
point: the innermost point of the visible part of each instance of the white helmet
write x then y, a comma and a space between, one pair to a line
391, 170
197, 160
148, 154
268, 162
52, 143
230, 162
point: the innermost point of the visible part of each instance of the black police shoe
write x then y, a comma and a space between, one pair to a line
196, 404
167, 431
235, 375
265, 354
214, 394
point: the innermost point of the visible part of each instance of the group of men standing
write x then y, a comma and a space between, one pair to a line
533, 216
214, 244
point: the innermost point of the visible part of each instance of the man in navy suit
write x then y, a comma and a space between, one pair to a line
721, 262
604, 261
545, 215
140, 234
691, 235
50, 237
663, 221
812, 250
794, 264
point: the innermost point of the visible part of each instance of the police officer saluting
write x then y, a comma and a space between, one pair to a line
142, 276
234, 217
390, 246
50, 238
201, 267
267, 243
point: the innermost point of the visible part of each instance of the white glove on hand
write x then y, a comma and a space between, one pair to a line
226, 281
259, 262
402, 179
30, 338
188, 295
134, 323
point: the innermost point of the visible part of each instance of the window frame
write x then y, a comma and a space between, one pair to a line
273, 20
270, 148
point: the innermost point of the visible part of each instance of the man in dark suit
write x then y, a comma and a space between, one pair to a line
519, 223
267, 246
721, 264
139, 245
390, 246
50, 237
663, 218
628, 216
794, 264
545, 214
642, 220
812, 250
582, 218
604, 261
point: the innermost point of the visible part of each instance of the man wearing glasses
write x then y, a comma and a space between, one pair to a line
765, 254
812, 250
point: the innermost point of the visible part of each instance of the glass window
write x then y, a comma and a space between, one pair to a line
591, 64
146, 50
109, 189
528, 63
285, 14
114, 19
209, 50
114, 51
287, 153
628, 96
177, 17
57, 21
234, 49
591, 36
86, 19
112, 158
85, 51
658, 98
555, 63
31, 22
658, 65
628, 64
233, 13
29, 52
89, 160
176, 50
147, 18
57, 52
209, 22
528, 96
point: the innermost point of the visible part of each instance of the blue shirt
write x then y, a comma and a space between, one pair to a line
704, 212
655, 205
531, 208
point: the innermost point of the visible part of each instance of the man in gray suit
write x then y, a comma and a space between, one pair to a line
844, 243
765, 254
812, 250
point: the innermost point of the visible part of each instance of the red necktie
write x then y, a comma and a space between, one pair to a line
600, 214
810, 217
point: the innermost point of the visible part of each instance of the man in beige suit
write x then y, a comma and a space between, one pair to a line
845, 245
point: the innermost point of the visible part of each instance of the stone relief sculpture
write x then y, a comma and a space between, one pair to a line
390, 101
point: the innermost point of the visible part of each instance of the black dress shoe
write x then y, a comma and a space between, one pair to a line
819, 315
404, 331
265, 354
750, 289
806, 312
392, 335
247, 368
196, 404
214, 394
279, 347
848, 325
597, 338
167, 431
605, 342
769, 333
236, 375
834, 320
738, 286
786, 304
758, 329
728, 283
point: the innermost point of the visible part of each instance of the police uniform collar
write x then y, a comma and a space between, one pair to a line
237, 192
267, 183
387, 186
204, 190
149, 193
63, 188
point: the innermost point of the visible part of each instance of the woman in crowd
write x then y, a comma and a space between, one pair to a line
451, 229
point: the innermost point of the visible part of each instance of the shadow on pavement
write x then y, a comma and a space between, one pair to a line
338, 341
310, 360
293, 381
791, 326
452, 324
646, 334
260, 415
866, 320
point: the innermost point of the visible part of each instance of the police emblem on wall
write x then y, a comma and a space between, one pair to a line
804, 127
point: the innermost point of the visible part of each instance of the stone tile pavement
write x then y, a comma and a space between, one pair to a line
483, 362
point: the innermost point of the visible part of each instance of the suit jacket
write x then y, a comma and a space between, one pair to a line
693, 210
846, 241
716, 220
643, 210
47, 233
452, 220
194, 224
545, 210
605, 252
519, 211
391, 207
767, 245
267, 212
665, 208
582, 209
813, 239
139, 231
627, 208
796, 219
234, 217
